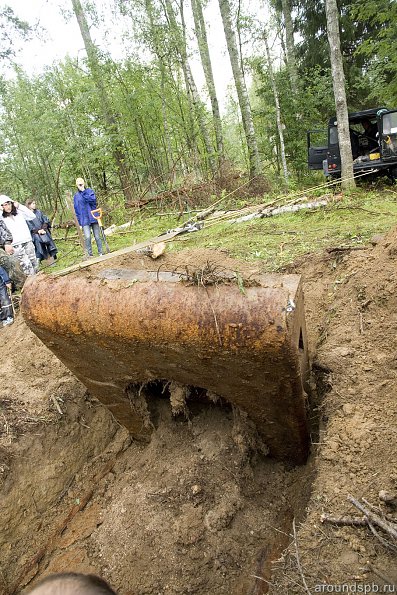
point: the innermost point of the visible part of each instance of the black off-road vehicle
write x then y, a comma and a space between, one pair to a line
373, 135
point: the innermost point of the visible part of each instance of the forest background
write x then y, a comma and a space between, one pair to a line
139, 127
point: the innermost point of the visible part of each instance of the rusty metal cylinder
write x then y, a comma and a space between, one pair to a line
118, 328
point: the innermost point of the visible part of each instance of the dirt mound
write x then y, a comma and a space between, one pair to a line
194, 510
49, 428
351, 312
179, 262
201, 509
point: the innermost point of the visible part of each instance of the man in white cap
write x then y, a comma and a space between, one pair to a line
84, 202
15, 216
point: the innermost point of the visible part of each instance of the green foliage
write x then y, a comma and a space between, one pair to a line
52, 131
380, 50
53, 127
369, 48
310, 109
276, 242
11, 27
233, 133
56, 127
368, 44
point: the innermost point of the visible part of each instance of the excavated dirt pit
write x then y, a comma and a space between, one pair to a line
201, 508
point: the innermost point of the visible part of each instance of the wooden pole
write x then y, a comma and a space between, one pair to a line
79, 232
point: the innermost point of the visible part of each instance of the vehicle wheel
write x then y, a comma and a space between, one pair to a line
393, 174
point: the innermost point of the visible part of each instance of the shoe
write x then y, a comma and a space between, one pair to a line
8, 321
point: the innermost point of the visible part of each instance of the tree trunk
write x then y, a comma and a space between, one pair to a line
200, 117
338, 81
180, 46
110, 118
277, 104
160, 55
242, 93
289, 40
201, 35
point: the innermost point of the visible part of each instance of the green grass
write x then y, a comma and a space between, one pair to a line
273, 242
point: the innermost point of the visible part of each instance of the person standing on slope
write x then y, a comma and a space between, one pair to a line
40, 228
84, 202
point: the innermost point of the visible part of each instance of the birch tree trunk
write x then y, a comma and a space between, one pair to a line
289, 40
242, 93
160, 55
338, 81
110, 119
181, 47
202, 41
277, 104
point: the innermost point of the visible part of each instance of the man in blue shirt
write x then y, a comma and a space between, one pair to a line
84, 202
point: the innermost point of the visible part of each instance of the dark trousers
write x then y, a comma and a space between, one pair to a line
5, 302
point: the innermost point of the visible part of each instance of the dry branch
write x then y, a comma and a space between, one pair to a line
345, 249
381, 539
371, 519
298, 560
375, 519
344, 521
54, 400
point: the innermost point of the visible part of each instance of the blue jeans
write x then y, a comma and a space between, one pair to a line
87, 237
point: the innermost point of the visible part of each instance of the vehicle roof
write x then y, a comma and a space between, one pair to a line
368, 113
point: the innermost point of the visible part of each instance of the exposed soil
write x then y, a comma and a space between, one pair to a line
201, 508
351, 307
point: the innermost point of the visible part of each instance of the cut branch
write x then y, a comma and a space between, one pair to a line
375, 519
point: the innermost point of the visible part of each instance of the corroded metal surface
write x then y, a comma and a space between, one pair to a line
117, 329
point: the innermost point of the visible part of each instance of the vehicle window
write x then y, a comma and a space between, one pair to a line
333, 135
389, 135
390, 123
318, 139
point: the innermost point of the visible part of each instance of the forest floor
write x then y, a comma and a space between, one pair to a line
199, 509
